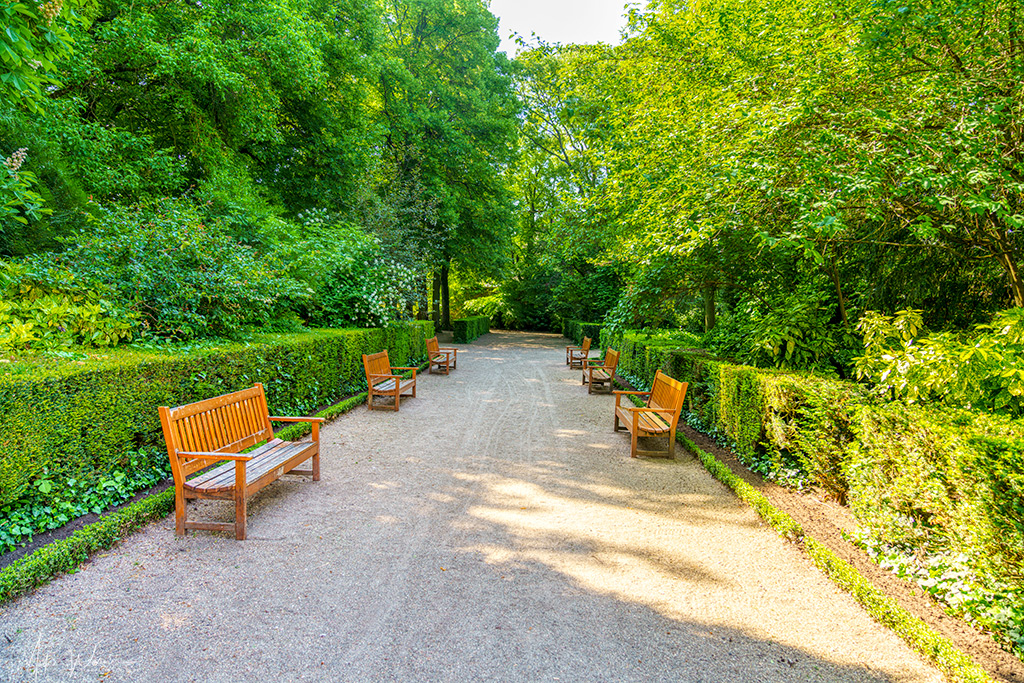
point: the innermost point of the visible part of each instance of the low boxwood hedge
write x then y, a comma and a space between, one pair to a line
468, 329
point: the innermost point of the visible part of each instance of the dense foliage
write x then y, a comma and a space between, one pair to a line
200, 169
769, 172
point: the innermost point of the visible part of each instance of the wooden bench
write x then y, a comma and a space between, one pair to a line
203, 433
443, 358
575, 355
600, 372
381, 380
658, 417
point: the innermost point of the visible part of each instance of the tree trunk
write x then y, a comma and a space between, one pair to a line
423, 300
435, 302
1005, 256
709, 307
446, 301
839, 293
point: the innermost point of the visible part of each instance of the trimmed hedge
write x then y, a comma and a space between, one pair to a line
75, 419
67, 555
937, 648
949, 482
577, 330
468, 329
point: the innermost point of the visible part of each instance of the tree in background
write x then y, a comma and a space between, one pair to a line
449, 112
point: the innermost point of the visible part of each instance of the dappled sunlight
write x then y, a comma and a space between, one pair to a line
547, 528
683, 556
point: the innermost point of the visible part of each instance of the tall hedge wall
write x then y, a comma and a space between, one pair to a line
468, 329
577, 330
949, 481
81, 417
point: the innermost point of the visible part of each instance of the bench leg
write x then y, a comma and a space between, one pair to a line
180, 512
369, 399
616, 427
316, 456
635, 436
672, 446
240, 507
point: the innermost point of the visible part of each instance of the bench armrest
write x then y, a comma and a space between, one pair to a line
413, 370
384, 377
620, 394
297, 419
209, 455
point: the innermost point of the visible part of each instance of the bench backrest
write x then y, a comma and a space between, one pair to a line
225, 424
611, 360
585, 346
432, 346
667, 394
376, 364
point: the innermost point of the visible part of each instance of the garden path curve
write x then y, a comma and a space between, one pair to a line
494, 529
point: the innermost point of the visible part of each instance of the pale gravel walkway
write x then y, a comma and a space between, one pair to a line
493, 530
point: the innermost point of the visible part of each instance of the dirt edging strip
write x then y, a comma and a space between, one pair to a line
67, 555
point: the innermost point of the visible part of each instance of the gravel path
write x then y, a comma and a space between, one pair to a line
494, 529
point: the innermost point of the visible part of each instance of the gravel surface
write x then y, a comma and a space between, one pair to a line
493, 529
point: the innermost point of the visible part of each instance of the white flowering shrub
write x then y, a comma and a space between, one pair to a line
354, 280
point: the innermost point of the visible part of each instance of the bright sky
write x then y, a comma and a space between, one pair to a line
559, 21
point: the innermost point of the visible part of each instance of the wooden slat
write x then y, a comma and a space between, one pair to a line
193, 442
210, 526
233, 426
207, 404
267, 459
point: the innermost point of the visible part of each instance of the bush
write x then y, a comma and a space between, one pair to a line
577, 330
81, 419
68, 554
468, 329
354, 281
184, 278
936, 492
983, 369
50, 308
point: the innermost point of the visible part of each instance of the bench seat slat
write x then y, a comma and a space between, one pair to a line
389, 385
267, 458
651, 423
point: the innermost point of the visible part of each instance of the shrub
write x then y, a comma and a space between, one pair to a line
983, 369
577, 330
68, 554
50, 308
936, 492
468, 329
182, 277
354, 282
